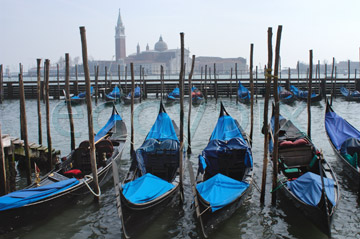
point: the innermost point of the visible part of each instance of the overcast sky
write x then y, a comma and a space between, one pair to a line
31, 29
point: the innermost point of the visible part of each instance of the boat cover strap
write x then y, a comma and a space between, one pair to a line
221, 190
308, 188
146, 188
339, 129
25, 196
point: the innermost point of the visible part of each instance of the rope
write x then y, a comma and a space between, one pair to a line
278, 187
256, 186
87, 185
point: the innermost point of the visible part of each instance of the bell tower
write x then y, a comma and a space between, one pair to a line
120, 49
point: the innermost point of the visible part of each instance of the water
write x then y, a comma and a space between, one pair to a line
86, 219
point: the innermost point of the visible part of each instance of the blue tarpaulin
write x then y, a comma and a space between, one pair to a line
221, 190
82, 95
163, 128
137, 91
308, 188
339, 129
146, 188
225, 129
114, 94
26, 196
175, 93
243, 92
300, 93
111, 122
283, 93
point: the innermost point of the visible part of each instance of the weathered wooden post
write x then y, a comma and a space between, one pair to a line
335, 78
144, 83
119, 76
39, 100
210, 85
298, 73
287, 85
237, 83
216, 86
125, 80
24, 129
1, 84
47, 70
251, 91
231, 74
68, 101
3, 181
205, 87
201, 80
309, 95
265, 124
162, 81
89, 110
76, 81
190, 102
58, 82
332, 84
43, 86
275, 155
132, 151
256, 85
181, 87
96, 71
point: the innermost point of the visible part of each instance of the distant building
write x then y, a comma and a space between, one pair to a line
120, 43
223, 65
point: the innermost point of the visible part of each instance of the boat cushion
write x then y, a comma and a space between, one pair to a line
221, 190
146, 188
74, 173
308, 188
23, 197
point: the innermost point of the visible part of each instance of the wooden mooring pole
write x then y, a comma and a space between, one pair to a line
3, 181
205, 86
252, 92
332, 83
162, 81
47, 70
1, 84
190, 102
265, 124
89, 110
96, 71
39, 99
57, 95
68, 101
256, 85
181, 87
275, 155
309, 94
216, 86
231, 75
132, 150
76, 80
237, 83
24, 129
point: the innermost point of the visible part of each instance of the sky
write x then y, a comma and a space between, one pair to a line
49, 29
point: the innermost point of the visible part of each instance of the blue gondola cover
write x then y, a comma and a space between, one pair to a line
23, 197
221, 190
115, 93
175, 93
137, 91
308, 188
82, 95
111, 122
339, 129
300, 93
163, 128
225, 129
243, 92
146, 188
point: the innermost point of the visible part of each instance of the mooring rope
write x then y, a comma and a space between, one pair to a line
87, 185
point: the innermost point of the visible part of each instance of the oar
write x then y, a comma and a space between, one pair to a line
117, 195
193, 187
323, 192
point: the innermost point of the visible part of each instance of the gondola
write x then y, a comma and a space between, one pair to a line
224, 175
285, 96
196, 96
243, 94
345, 140
114, 95
304, 176
70, 180
173, 96
153, 180
80, 98
137, 95
303, 94
350, 95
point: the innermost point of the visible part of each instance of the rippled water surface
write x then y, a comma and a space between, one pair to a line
86, 219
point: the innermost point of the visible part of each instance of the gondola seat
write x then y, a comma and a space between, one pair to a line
104, 150
81, 160
163, 163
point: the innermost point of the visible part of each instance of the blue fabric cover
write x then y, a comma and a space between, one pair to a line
300, 93
221, 190
146, 188
23, 197
82, 95
339, 129
350, 146
283, 93
114, 94
225, 129
308, 188
243, 92
344, 91
162, 129
175, 93
109, 125
137, 91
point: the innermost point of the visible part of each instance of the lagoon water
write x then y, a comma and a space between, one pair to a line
86, 219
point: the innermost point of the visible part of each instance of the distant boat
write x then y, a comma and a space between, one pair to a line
285, 96
137, 95
243, 94
303, 94
196, 96
80, 98
114, 95
350, 95
173, 96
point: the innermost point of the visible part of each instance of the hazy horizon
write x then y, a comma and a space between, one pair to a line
49, 29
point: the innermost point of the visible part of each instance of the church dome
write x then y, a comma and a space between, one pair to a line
160, 45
